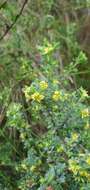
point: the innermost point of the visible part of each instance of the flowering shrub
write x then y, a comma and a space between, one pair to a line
44, 113
57, 143
49, 127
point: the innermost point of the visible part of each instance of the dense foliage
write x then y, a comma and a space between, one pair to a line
44, 103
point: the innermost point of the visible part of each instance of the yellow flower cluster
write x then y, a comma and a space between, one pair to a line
31, 93
37, 97
74, 167
85, 113
85, 174
56, 96
43, 85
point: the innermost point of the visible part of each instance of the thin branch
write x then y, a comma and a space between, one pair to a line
16, 18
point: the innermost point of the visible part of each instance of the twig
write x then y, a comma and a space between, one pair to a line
16, 18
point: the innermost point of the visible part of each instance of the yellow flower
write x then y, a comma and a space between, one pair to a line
48, 49
43, 85
88, 160
56, 96
85, 174
74, 136
85, 113
37, 97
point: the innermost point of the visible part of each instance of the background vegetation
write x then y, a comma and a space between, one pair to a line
44, 95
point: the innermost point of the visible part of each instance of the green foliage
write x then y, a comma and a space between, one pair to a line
53, 149
44, 112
